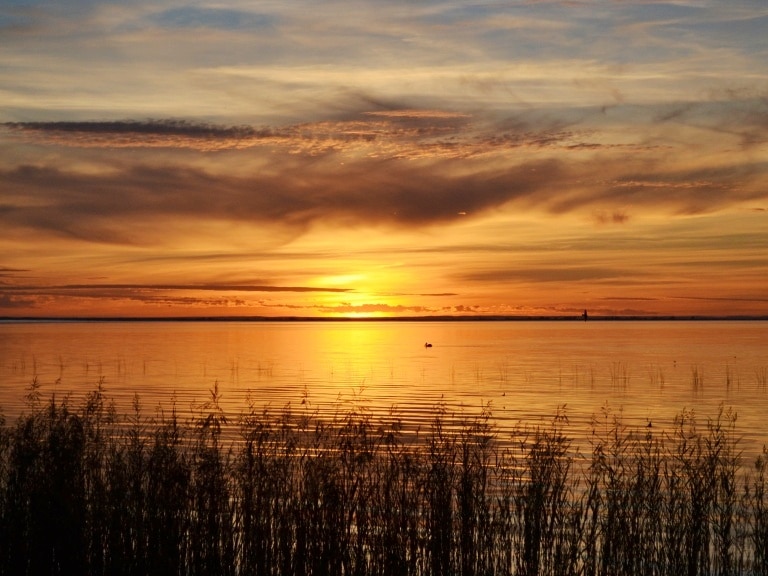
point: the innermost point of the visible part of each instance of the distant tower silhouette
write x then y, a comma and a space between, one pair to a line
584, 315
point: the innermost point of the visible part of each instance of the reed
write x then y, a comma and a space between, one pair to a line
84, 490
761, 375
619, 376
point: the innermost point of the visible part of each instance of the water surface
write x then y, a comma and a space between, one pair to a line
648, 371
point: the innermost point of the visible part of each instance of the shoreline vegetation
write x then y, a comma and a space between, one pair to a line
85, 490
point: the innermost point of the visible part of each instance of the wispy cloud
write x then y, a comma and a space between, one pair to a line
391, 133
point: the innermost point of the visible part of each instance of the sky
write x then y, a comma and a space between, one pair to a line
383, 158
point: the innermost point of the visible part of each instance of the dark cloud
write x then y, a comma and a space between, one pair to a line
141, 203
391, 131
13, 301
11, 272
394, 167
101, 289
724, 298
545, 274
463, 309
615, 217
171, 133
123, 206
166, 127
29, 296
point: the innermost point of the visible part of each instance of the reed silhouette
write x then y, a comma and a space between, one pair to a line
84, 490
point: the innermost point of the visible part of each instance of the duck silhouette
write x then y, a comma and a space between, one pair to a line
427, 345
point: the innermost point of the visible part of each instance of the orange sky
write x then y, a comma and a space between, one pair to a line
383, 159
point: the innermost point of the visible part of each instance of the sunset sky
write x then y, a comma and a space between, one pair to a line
383, 158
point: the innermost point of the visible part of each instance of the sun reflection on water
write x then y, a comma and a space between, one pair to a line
520, 371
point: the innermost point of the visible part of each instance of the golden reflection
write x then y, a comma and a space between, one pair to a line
525, 370
347, 359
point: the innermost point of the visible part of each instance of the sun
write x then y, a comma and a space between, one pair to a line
370, 290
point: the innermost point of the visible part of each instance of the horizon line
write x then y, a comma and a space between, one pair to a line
437, 318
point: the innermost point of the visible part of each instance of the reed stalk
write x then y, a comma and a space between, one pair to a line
84, 490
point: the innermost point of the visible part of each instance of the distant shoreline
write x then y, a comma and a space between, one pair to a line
443, 318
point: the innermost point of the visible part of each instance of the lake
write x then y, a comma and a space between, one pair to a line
525, 371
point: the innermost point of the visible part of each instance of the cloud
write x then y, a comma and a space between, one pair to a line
120, 206
398, 131
14, 301
101, 289
140, 200
11, 272
276, 144
739, 110
191, 17
562, 273
616, 217
419, 114
166, 133
391, 133
229, 295
374, 308
725, 298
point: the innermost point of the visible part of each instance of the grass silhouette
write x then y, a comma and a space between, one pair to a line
84, 490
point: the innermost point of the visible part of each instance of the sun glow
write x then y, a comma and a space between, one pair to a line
342, 280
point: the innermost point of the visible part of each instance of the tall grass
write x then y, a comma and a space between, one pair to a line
84, 490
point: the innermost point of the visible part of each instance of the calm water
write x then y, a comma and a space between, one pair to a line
649, 371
